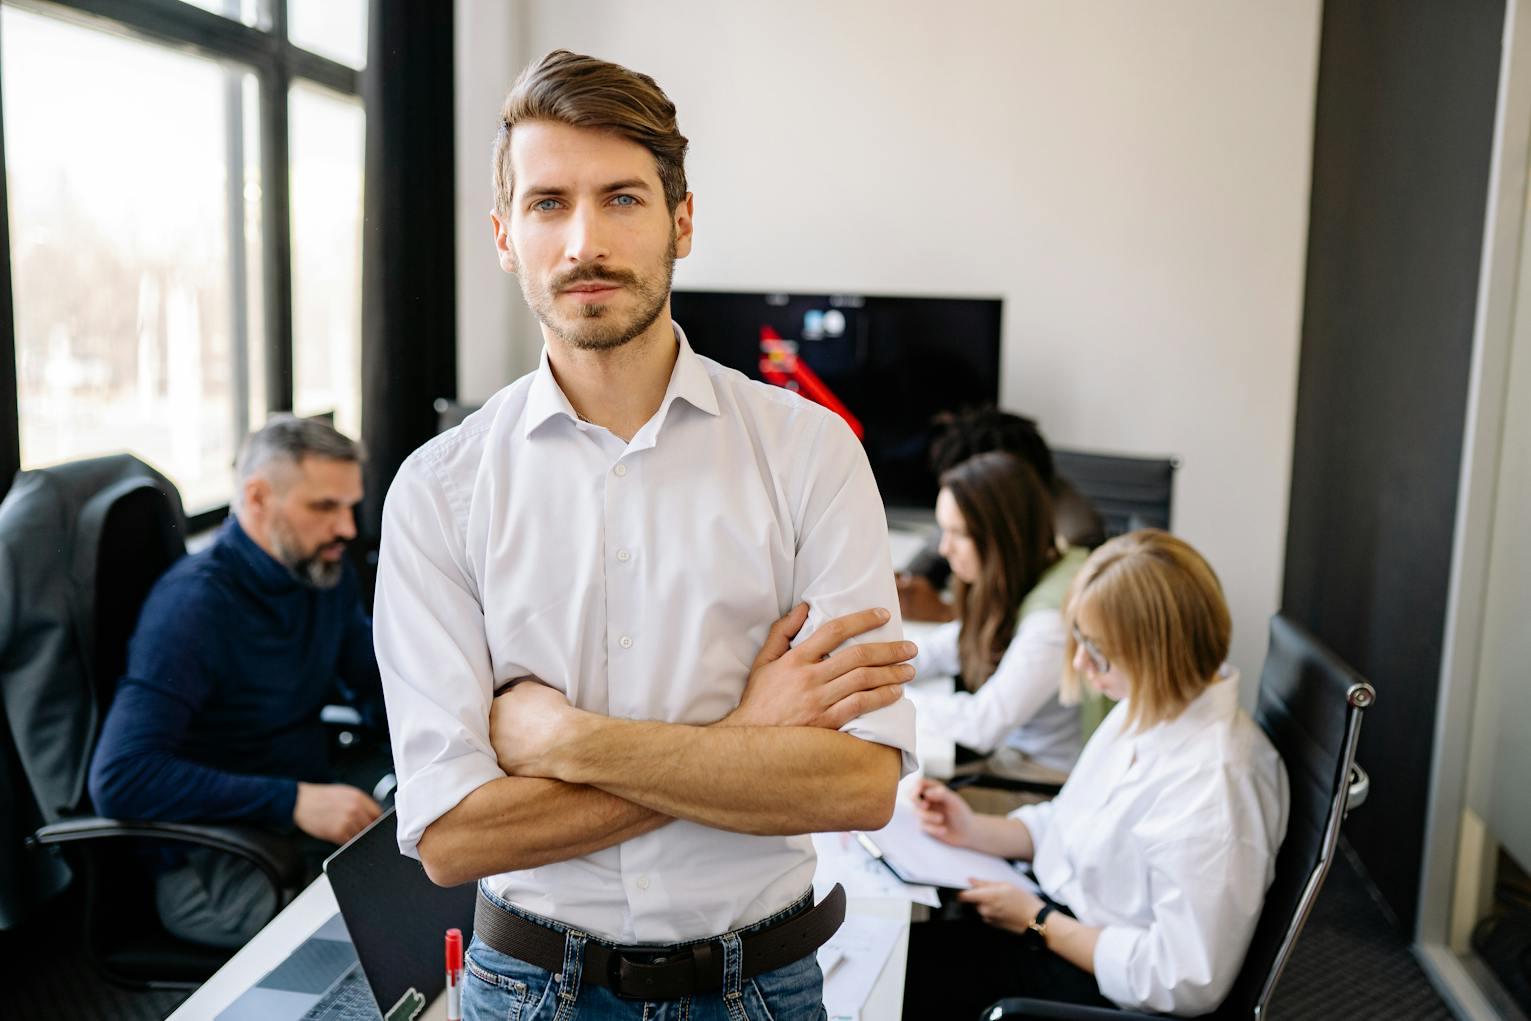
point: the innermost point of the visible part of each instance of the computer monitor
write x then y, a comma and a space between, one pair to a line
887, 365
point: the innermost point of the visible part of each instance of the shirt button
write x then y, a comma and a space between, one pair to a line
625, 642
643, 882
620, 470
624, 556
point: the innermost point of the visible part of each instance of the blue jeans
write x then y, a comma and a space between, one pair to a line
501, 988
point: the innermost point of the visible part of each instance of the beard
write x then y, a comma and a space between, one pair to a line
601, 327
308, 567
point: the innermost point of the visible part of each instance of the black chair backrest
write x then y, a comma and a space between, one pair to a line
140, 539
1128, 492
1310, 707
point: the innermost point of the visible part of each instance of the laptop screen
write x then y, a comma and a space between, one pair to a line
396, 916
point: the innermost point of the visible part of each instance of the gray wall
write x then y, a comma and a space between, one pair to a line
1402, 136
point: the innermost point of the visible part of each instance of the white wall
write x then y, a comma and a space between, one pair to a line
1131, 178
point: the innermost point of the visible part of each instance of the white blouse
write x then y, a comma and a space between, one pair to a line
1017, 706
1167, 840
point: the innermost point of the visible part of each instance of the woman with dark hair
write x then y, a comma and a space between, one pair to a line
964, 434
1006, 646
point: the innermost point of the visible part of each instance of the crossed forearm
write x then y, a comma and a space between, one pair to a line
525, 822
763, 780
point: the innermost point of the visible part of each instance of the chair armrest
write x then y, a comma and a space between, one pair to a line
270, 852
1017, 1008
1360, 788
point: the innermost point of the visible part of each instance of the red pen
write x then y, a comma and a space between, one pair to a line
454, 975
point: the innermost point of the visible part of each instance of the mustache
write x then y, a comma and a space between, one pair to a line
592, 274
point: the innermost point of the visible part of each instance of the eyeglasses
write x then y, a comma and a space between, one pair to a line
1098, 659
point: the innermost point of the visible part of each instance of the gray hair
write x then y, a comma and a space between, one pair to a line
285, 440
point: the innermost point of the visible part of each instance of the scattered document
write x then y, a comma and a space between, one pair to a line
852, 960
918, 858
843, 860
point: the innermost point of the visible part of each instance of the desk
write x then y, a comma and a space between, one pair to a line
311, 908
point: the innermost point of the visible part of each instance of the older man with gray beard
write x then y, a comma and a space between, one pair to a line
237, 649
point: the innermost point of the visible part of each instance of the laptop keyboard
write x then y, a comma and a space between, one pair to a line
348, 1000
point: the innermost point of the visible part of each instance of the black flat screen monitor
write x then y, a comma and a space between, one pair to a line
886, 365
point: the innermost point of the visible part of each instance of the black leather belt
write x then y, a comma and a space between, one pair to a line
661, 973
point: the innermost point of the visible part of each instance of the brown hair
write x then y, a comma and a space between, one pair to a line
1009, 516
1158, 611
584, 92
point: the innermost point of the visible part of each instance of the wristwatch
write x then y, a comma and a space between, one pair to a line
1038, 925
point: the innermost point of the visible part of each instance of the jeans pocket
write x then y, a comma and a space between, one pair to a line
500, 988
794, 992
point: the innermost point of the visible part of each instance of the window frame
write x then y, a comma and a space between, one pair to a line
276, 63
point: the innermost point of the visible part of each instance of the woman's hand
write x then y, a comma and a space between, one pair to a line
1003, 905
943, 814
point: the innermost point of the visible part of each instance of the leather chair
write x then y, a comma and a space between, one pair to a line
1128, 492
121, 526
1310, 706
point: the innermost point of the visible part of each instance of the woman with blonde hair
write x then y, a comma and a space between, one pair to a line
1007, 642
1154, 859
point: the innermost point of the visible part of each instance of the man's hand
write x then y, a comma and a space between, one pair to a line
1003, 905
525, 723
919, 600
333, 811
800, 687
943, 814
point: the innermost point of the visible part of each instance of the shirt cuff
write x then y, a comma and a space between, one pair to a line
276, 812
891, 725
1035, 817
437, 789
1113, 950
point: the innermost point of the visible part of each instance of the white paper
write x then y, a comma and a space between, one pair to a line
842, 860
856, 956
922, 858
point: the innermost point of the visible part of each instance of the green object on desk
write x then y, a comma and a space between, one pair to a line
409, 1006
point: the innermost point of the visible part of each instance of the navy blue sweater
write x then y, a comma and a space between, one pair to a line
218, 715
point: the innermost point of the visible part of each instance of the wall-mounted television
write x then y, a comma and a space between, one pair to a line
887, 365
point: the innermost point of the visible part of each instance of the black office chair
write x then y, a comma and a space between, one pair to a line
1310, 707
124, 537
1128, 492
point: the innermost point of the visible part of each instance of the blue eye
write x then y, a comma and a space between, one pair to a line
625, 200
545, 205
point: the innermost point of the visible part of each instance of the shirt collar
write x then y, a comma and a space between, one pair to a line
689, 381
1215, 706
268, 572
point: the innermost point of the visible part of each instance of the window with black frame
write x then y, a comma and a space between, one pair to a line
184, 186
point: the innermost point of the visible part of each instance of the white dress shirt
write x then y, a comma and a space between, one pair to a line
1017, 706
638, 578
1167, 840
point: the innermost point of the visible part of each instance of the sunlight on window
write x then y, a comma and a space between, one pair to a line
135, 249
327, 134
331, 28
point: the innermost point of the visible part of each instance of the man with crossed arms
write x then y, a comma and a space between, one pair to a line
591, 709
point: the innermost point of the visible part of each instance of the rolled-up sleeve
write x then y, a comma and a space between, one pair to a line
1037, 818
428, 628
843, 564
1185, 961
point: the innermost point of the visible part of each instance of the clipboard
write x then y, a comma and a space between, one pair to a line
917, 858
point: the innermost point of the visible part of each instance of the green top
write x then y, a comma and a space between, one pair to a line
1050, 591
1048, 594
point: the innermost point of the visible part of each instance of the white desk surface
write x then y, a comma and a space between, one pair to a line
314, 906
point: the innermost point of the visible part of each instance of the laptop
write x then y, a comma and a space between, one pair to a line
380, 957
